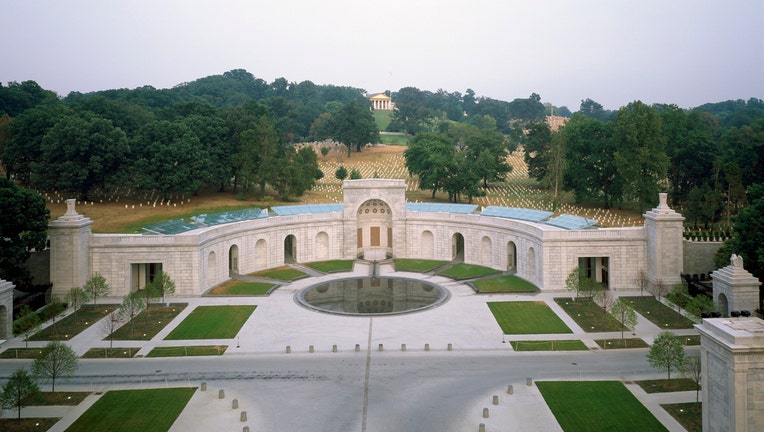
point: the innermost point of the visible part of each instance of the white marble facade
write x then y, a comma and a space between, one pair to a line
374, 223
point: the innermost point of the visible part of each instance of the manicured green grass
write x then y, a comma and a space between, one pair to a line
382, 118
467, 271
665, 386
504, 284
401, 140
212, 322
73, 324
551, 345
659, 314
281, 273
691, 340
237, 287
621, 343
588, 315
188, 351
36, 424
417, 265
597, 406
58, 398
688, 414
153, 410
332, 266
22, 353
108, 353
148, 323
527, 317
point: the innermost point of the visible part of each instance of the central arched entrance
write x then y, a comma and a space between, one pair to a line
290, 249
375, 230
457, 247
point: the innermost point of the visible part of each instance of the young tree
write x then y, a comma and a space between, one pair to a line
691, 370
667, 353
658, 289
109, 325
76, 297
131, 306
679, 296
624, 313
96, 286
580, 283
59, 361
355, 174
603, 297
163, 285
17, 391
27, 325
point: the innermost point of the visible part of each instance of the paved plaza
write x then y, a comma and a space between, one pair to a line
358, 375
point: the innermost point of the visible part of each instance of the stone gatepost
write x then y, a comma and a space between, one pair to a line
734, 288
69, 250
665, 247
732, 365
6, 309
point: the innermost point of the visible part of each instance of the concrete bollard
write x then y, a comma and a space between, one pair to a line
221, 394
289, 349
485, 412
529, 381
403, 347
243, 416
204, 386
334, 348
235, 404
495, 399
426, 347
510, 389
381, 347
357, 347
450, 347
310, 349
481, 427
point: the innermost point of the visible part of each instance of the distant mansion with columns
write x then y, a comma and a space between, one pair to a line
374, 223
382, 102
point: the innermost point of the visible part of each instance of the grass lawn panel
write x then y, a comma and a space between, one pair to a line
417, 265
527, 317
57, 398
73, 324
188, 351
688, 414
22, 353
285, 274
28, 424
665, 386
621, 343
236, 287
597, 406
659, 314
148, 323
332, 266
467, 271
108, 353
152, 410
588, 315
553, 345
212, 322
504, 284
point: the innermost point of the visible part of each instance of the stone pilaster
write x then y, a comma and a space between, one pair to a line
69, 250
665, 249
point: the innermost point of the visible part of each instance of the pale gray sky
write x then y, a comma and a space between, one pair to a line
686, 52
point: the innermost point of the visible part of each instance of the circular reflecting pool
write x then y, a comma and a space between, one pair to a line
367, 296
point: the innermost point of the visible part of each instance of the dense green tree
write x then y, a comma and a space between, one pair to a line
18, 97
18, 390
213, 138
79, 153
430, 157
297, 173
593, 109
96, 286
170, 159
58, 361
355, 174
699, 305
667, 353
341, 173
412, 114
592, 172
23, 227
354, 126
538, 146
25, 134
641, 159
527, 110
